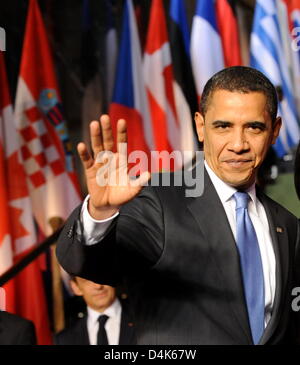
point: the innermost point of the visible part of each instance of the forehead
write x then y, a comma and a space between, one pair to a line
222, 101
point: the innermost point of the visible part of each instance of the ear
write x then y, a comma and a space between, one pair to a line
75, 288
276, 129
199, 120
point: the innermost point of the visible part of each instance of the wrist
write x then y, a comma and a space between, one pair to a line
101, 213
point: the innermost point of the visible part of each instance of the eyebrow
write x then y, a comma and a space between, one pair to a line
217, 123
257, 124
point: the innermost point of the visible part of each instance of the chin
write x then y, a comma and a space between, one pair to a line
240, 182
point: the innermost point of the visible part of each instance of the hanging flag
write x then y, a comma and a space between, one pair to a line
129, 98
292, 12
267, 55
206, 45
6, 248
229, 32
45, 145
184, 87
29, 280
293, 7
158, 74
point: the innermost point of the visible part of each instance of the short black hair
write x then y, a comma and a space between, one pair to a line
244, 80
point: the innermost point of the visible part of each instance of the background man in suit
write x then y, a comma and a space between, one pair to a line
15, 330
102, 304
213, 269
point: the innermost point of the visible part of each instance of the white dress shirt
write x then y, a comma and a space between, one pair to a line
112, 325
94, 231
260, 222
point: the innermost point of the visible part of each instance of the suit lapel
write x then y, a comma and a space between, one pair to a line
280, 245
81, 332
127, 336
210, 215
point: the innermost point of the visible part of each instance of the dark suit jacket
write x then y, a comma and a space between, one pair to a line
180, 261
77, 333
15, 330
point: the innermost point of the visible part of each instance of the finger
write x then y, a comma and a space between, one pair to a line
84, 155
96, 137
107, 135
121, 131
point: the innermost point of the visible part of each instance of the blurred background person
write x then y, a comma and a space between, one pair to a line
106, 321
15, 330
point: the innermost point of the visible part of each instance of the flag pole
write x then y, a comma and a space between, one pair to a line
57, 289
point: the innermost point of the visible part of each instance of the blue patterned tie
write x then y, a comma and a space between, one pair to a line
251, 264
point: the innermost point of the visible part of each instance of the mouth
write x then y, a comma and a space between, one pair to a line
234, 163
101, 294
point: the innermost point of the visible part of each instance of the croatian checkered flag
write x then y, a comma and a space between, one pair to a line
43, 137
268, 57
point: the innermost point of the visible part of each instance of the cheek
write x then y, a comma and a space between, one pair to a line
215, 147
260, 149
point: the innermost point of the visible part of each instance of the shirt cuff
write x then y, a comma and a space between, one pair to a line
93, 230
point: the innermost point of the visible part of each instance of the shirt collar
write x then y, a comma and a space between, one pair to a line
112, 311
225, 191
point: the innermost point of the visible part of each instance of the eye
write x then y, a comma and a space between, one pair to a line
256, 127
222, 126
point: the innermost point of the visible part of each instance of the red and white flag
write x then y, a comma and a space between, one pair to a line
27, 298
229, 32
43, 137
6, 249
158, 74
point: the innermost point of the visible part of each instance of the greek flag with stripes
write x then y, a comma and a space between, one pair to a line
266, 55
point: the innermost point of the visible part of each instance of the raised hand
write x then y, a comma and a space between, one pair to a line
107, 194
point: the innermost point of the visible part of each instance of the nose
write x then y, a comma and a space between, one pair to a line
238, 142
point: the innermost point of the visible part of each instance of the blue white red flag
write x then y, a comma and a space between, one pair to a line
129, 99
206, 46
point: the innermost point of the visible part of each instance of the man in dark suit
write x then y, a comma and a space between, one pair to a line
101, 300
211, 269
15, 330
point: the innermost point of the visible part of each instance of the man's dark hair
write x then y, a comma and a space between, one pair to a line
244, 80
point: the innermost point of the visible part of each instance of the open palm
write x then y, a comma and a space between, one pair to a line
106, 173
